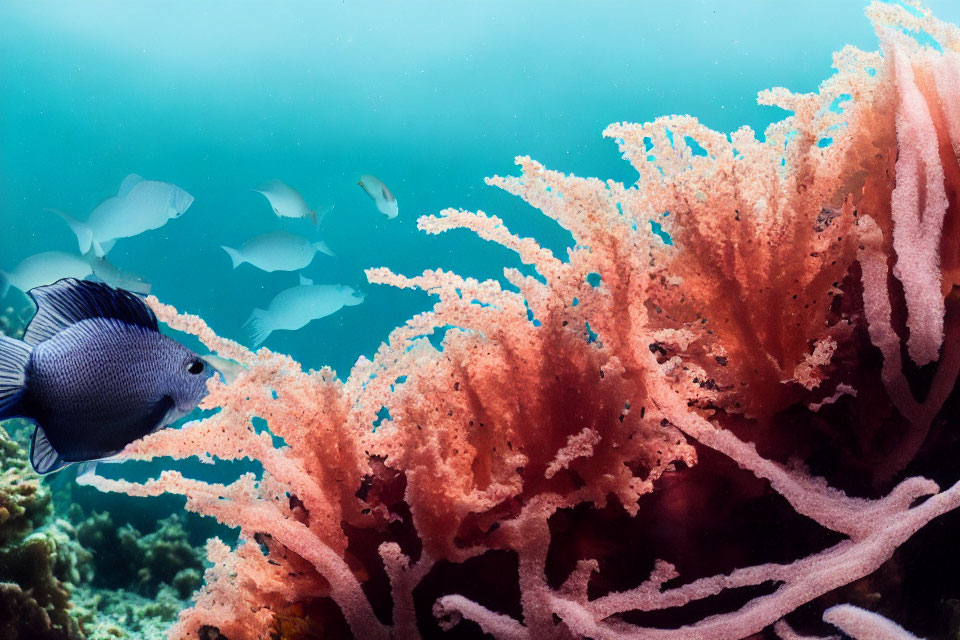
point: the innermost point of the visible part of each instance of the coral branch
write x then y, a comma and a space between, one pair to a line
498, 625
919, 203
865, 625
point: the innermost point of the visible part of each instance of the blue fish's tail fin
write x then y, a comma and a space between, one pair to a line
235, 256
14, 355
83, 232
261, 326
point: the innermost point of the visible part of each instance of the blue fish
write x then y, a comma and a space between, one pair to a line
94, 373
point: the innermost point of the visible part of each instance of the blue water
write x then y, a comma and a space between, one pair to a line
429, 96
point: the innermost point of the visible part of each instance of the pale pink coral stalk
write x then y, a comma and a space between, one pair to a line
878, 314
865, 625
919, 204
876, 528
404, 577
498, 625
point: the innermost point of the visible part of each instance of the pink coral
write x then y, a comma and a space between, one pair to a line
605, 384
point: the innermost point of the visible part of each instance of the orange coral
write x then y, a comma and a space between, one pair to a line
588, 384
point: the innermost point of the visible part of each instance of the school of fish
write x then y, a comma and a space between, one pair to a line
93, 372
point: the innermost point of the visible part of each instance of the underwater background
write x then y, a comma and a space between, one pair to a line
430, 97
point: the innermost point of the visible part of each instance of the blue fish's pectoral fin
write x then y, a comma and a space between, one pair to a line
68, 301
165, 414
44, 458
14, 356
128, 183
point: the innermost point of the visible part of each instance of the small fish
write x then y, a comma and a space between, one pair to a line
277, 251
140, 205
386, 203
50, 266
288, 203
94, 373
44, 268
293, 308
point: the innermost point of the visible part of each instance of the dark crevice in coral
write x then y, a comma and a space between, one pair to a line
490, 579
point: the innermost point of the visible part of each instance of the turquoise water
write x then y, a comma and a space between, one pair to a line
430, 97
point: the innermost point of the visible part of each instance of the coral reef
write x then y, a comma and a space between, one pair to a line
162, 558
12, 320
713, 438
37, 563
83, 578
107, 614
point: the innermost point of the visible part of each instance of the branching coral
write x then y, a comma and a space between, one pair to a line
609, 374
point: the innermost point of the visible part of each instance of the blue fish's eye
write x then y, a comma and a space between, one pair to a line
195, 367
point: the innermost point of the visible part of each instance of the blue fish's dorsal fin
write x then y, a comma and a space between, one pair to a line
43, 456
305, 281
68, 301
127, 184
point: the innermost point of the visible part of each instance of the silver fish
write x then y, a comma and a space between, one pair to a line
140, 205
277, 251
44, 268
386, 203
49, 266
287, 202
293, 308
